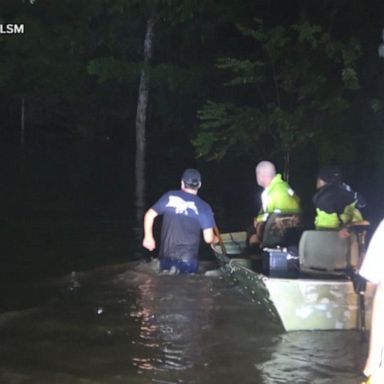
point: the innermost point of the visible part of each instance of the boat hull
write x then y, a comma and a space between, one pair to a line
301, 304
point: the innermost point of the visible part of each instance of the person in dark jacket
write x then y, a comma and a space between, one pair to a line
335, 203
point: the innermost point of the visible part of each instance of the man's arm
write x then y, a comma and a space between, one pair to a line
209, 236
376, 343
149, 218
372, 269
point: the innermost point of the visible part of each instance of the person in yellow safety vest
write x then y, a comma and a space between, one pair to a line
277, 197
335, 203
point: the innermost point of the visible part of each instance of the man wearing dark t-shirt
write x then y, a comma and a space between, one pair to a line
185, 215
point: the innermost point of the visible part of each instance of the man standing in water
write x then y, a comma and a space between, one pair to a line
373, 269
185, 215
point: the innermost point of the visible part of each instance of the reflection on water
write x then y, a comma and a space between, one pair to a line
175, 312
315, 357
125, 323
128, 324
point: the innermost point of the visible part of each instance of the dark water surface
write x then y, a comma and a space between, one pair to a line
76, 308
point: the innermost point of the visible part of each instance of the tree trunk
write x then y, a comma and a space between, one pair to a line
22, 128
287, 163
141, 115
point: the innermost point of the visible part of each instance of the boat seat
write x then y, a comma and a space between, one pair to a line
282, 229
324, 252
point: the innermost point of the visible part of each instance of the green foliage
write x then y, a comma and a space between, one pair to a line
294, 76
376, 105
283, 82
110, 68
350, 78
224, 127
246, 71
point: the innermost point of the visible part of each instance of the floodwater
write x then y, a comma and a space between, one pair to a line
77, 308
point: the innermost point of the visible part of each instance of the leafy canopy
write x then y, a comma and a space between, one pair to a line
291, 81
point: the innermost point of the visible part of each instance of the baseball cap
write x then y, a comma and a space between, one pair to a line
191, 177
330, 174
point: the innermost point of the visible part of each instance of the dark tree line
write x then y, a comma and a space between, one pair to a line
298, 82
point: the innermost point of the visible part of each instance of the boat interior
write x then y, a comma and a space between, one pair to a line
289, 250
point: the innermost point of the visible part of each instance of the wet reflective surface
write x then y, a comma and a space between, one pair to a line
77, 307
123, 322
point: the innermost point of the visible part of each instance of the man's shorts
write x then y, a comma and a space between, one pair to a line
183, 266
